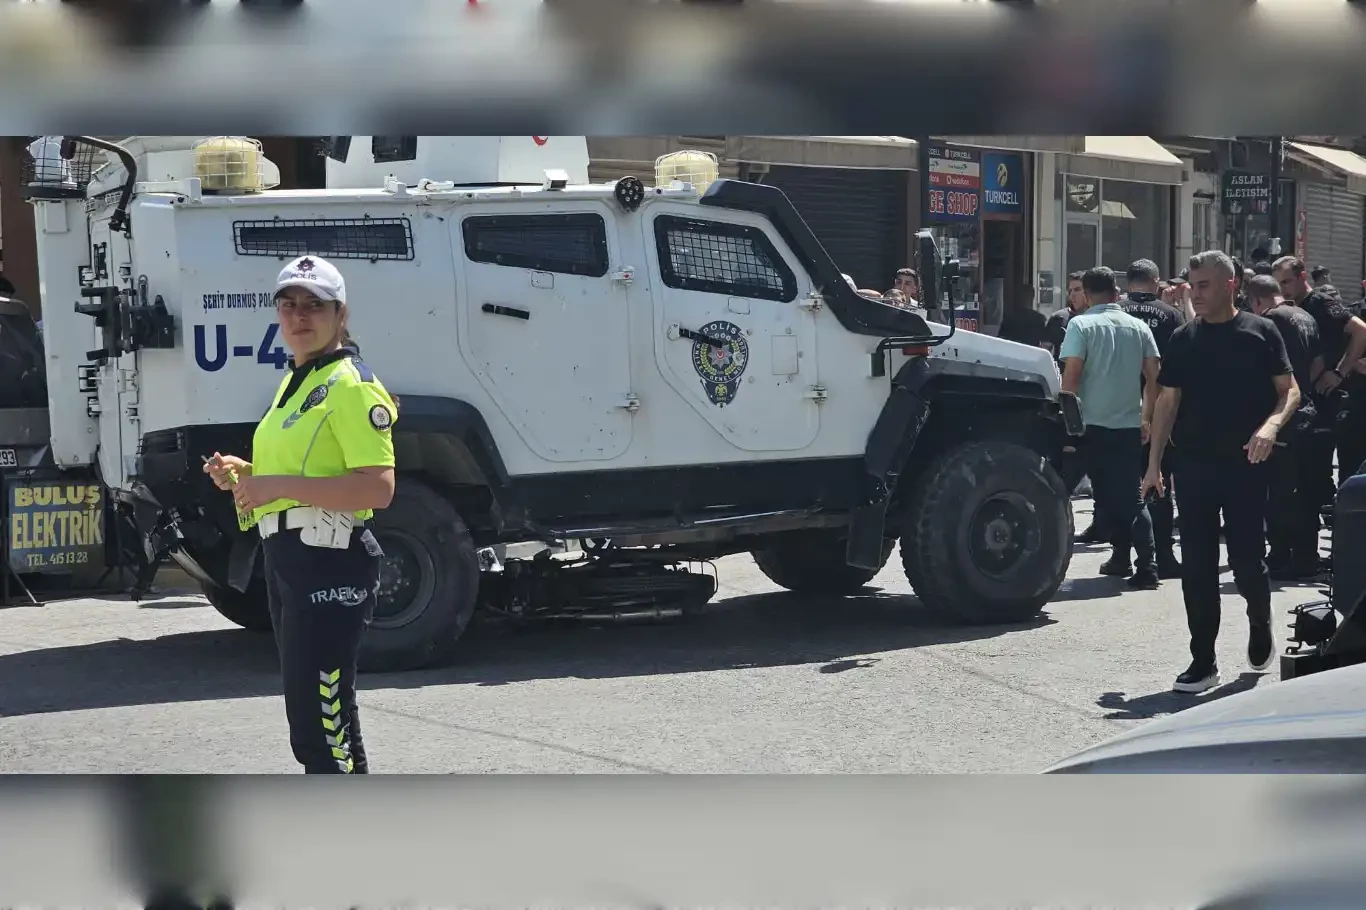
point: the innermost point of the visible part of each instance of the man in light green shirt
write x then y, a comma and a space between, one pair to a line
1106, 356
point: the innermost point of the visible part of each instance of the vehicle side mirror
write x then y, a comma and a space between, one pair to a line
928, 266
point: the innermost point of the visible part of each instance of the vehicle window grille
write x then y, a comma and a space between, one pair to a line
570, 244
718, 258
336, 238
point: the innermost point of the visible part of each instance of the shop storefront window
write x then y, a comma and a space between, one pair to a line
1114, 222
1248, 232
1135, 224
964, 243
977, 209
1202, 227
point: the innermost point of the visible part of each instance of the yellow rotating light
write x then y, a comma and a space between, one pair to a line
229, 164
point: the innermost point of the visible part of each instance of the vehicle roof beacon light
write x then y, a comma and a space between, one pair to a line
700, 169
229, 164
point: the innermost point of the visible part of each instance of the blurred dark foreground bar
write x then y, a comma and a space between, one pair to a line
639, 67
1110, 841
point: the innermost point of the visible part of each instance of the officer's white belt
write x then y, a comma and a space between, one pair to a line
317, 527
295, 519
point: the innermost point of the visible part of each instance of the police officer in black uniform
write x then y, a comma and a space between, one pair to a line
322, 462
1292, 518
1142, 302
1341, 412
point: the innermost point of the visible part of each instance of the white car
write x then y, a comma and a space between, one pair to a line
1312, 725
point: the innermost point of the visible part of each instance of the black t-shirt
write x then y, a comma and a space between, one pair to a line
1162, 318
1301, 336
1332, 316
1025, 326
1056, 329
1226, 373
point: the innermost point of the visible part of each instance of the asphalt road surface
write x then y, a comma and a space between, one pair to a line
764, 681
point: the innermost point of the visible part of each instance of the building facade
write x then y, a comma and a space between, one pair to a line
1320, 211
1018, 212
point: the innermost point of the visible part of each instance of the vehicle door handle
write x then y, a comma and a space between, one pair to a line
712, 340
506, 311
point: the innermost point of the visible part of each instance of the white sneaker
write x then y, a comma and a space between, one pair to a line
1197, 679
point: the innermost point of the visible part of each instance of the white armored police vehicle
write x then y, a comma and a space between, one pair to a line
665, 374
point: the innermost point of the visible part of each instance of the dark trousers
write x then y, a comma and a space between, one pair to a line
1317, 454
1292, 517
1340, 431
1205, 487
1072, 465
1351, 449
1161, 508
320, 603
1112, 463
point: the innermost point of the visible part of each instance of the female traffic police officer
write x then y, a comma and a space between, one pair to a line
322, 462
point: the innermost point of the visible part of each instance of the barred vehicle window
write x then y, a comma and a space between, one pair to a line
719, 258
335, 238
570, 244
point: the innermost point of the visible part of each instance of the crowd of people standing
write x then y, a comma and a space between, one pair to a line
1216, 403
1230, 390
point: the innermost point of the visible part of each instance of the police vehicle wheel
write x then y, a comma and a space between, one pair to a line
428, 585
249, 609
987, 533
812, 562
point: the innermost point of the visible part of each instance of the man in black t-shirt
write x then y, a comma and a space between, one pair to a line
1163, 319
1343, 336
1023, 325
1292, 519
1226, 389
1056, 328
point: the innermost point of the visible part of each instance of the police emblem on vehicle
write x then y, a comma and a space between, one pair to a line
721, 368
314, 399
380, 418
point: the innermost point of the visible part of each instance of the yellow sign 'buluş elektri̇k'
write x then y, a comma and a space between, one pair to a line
55, 527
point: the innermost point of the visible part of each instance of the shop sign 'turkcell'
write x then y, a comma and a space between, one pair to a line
1002, 182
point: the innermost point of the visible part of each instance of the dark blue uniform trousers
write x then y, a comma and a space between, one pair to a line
321, 600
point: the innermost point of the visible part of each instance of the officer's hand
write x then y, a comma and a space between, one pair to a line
220, 469
254, 492
1328, 381
1261, 445
1152, 482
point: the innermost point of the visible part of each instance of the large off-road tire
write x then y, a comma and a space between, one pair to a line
429, 581
249, 609
812, 562
987, 533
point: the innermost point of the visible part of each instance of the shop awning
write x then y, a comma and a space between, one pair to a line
1348, 165
881, 152
1066, 145
1137, 158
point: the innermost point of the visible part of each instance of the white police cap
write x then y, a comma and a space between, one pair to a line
314, 274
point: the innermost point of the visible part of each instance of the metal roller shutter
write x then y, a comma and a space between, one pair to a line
1333, 222
860, 216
